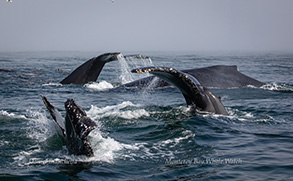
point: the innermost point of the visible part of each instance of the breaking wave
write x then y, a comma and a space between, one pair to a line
11, 115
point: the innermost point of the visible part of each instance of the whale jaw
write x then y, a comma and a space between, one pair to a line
78, 126
75, 128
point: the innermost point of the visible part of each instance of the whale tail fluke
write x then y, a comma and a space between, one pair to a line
196, 96
91, 69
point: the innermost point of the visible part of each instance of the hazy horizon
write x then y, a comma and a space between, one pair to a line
149, 25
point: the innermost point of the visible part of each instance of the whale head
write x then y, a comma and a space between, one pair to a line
78, 126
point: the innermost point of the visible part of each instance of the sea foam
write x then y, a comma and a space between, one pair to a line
117, 111
278, 87
99, 86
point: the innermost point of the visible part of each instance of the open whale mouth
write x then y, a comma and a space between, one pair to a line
78, 126
75, 128
76, 115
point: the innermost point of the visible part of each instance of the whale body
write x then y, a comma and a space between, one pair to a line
218, 76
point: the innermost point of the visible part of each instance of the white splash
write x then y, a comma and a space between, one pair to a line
41, 129
52, 84
277, 87
99, 86
104, 147
117, 111
130, 62
126, 75
12, 115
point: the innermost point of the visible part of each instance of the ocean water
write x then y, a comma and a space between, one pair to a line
146, 134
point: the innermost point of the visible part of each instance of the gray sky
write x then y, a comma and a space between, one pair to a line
146, 25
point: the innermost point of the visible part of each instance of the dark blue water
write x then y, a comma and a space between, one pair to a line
146, 134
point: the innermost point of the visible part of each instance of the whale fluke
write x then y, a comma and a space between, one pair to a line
75, 128
198, 97
91, 69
